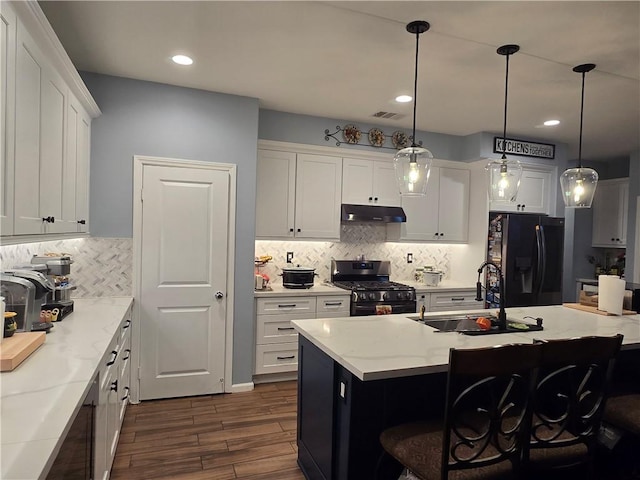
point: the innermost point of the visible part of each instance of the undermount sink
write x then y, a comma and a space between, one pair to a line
467, 324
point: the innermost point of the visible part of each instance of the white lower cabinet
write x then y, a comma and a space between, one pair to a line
447, 300
276, 338
113, 396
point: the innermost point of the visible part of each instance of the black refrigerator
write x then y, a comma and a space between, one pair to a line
528, 248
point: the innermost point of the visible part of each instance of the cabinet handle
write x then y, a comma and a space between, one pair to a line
457, 299
617, 239
113, 359
370, 198
286, 358
82, 222
291, 229
375, 198
126, 324
281, 329
442, 234
114, 386
292, 305
613, 239
333, 304
523, 207
126, 390
437, 234
299, 230
49, 219
128, 352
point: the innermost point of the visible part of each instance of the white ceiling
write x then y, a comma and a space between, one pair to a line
348, 60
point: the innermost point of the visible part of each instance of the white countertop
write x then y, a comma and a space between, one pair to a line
40, 398
317, 289
328, 289
388, 346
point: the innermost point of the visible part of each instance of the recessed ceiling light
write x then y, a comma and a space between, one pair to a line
551, 123
403, 98
182, 59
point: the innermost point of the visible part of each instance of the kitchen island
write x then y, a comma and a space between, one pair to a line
360, 375
41, 397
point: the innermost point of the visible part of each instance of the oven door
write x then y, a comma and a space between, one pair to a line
372, 308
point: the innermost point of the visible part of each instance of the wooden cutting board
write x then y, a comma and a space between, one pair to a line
15, 349
591, 309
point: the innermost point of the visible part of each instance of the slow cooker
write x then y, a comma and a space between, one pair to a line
298, 277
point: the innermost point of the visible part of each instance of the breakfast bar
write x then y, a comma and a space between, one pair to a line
358, 376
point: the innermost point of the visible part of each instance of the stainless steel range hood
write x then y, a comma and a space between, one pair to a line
372, 213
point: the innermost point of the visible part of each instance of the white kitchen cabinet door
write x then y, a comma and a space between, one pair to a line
7, 115
610, 205
369, 182
275, 194
318, 188
75, 178
453, 205
385, 186
442, 215
423, 212
534, 193
53, 115
29, 80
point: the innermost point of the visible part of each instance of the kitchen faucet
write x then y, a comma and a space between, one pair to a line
502, 314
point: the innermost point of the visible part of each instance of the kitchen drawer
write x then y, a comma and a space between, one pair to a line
453, 300
277, 358
332, 305
278, 305
278, 328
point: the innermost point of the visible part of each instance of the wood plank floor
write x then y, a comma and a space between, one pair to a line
250, 435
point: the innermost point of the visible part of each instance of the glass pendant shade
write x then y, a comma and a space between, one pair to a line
412, 166
504, 180
578, 186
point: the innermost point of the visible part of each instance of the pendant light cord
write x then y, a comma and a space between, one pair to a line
504, 126
581, 115
415, 93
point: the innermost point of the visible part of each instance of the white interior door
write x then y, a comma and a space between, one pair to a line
183, 280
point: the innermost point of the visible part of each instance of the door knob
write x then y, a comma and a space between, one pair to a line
219, 294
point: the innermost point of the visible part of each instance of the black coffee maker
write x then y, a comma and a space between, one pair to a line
42, 291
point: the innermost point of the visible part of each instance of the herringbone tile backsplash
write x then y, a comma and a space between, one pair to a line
355, 240
101, 267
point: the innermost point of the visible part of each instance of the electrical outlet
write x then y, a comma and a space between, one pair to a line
289, 257
409, 257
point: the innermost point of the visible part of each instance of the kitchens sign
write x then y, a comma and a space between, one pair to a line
525, 149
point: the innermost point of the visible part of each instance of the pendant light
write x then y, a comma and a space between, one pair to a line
579, 184
504, 175
413, 164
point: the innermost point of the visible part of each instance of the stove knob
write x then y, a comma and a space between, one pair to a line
385, 296
372, 296
363, 296
400, 295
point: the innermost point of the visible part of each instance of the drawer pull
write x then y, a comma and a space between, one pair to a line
126, 389
128, 352
286, 358
126, 325
457, 299
114, 386
287, 305
113, 359
333, 304
280, 329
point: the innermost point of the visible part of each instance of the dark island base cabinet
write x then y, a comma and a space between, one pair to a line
341, 417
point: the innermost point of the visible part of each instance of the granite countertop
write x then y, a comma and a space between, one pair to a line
444, 286
41, 397
388, 346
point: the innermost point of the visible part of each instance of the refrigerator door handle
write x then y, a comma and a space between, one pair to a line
542, 257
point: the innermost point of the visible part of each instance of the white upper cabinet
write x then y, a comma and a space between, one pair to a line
610, 207
7, 110
45, 129
369, 182
298, 195
535, 193
275, 194
443, 214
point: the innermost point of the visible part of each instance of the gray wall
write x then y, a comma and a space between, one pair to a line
144, 118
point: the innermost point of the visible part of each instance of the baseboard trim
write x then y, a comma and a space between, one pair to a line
275, 377
241, 387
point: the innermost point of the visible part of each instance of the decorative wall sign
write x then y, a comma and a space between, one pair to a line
524, 148
351, 135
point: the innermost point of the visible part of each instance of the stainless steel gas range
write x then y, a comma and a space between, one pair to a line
371, 291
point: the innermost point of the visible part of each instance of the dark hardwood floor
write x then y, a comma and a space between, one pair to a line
248, 435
